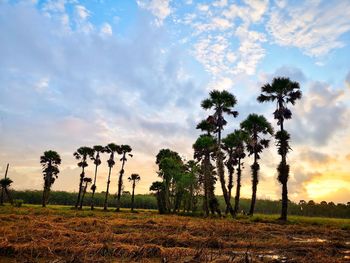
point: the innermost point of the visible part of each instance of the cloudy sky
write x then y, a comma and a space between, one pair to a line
87, 72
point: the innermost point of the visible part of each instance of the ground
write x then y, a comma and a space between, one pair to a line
60, 234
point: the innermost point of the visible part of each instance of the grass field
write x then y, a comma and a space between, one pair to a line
60, 234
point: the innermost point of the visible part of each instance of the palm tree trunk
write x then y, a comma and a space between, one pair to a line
120, 184
132, 196
206, 185
93, 189
82, 198
107, 190
9, 197
238, 187
284, 201
284, 176
2, 188
44, 197
255, 170
82, 175
229, 187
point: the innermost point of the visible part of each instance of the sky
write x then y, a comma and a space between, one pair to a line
89, 72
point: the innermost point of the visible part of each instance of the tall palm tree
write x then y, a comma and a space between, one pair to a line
97, 161
50, 162
87, 180
5, 184
203, 155
233, 144
256, 125
222, 102
124, 151
82, 154
204, 147
134, 178
282, 91
111, 148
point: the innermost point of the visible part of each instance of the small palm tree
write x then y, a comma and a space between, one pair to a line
255, 125
282, 91
233, 144
134, 178
5, 184
222, 102
2, 189
97, 161
82, 154
124, 151
50, 162
159, 188
87, 180
111, 148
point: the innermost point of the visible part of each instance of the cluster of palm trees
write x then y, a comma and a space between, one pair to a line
251, 138
51, 160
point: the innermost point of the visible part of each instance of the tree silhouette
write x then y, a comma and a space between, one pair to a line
124, 151
204, 147
87, 180
282, 91
82, 154
234, 144
97, 161
159, 188
5, 184
222, 102
2, 189
49, 162
255, 125
134, 178
111, 148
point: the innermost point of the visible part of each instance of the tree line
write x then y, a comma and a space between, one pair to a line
187, 181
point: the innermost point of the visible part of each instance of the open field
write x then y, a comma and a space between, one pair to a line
59, 234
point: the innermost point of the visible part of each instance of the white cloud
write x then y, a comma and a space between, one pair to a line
82, 12
106, 29
159, 8
313, 26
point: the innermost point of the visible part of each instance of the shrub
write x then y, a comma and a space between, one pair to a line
17, 202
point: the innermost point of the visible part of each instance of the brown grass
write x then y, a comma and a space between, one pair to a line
148, 237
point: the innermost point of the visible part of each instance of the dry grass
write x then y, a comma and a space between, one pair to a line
50, 235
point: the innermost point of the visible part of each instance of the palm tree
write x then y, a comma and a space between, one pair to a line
2, 189
87, 180
124, 150
50, 162
222, 102
82, 154
204, 147
233, 144
5, 183
282, 91
255, 125
111, 149
133, 178
97, 161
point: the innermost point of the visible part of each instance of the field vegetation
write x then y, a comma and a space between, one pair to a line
63, 234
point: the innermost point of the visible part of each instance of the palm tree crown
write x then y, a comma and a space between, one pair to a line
134, 177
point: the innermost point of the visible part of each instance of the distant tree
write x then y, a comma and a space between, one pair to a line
126, 193
5, 184
311, 203
256, 125
191, 183
323, 203
87, 180
134, 178
2, 189
111, 149
234, 145
282, 91
124, 151
204, 147
302, 202
82, 155
97, 161
50, 162
159, 189
222, 102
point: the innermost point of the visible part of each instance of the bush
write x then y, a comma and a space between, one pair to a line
17, 202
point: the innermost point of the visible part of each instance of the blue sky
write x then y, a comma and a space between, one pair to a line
78, 73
